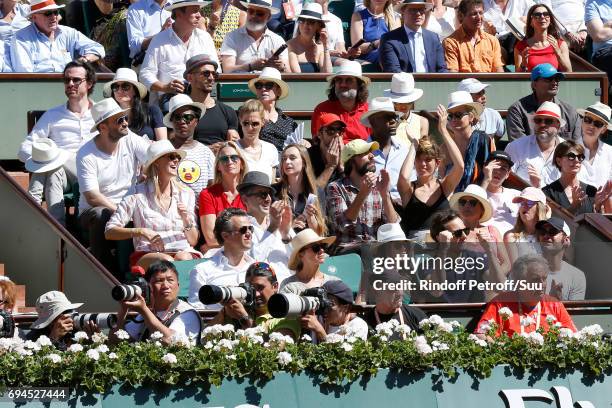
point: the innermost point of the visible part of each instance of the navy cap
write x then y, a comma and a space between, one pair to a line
545, 71
339, 290
500, 155
556, 222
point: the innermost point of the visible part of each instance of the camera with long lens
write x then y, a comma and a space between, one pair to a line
291, 305
212, 294
7, 324
102, 320
138, 286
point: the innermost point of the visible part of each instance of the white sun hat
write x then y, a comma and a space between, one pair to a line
477, 192
350, 68
377, 105
270, 74
40, 6
265, 4
46, 156
177, 102
471, 85
402, 89
125, 75
106, 108
462, 98
49, 306
158, 149
185, 3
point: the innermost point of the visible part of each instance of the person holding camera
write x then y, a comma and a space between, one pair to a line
165, 312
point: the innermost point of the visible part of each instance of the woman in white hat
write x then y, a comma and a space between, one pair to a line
404, 95
308, 50
596, 122
369, 24
144, 119
162, 210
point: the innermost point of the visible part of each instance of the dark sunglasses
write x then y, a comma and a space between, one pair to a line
120, 119
76, 81
51, 13
472, 201
528, 203
262, 194
457, 115
461, 232
597, 123
264, 85
124, 87
316, 248
547, 122
541, 14
243, 230
173, 156
208, 73
307, 21
417, 10
574, 156
246, 123
257, 13
185, 117
334, 130
234, 158
548, 231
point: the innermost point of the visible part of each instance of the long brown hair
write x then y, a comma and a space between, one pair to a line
552, 28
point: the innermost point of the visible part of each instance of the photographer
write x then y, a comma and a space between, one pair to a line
167, 314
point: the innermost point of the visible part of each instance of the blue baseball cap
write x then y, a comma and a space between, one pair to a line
545, 71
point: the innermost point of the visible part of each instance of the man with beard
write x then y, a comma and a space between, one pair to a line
107, 167
347, 98
359, 203
533, 155
251, 48
382, 118
490, 120
496, 172
545, 85
219, 122
326, 148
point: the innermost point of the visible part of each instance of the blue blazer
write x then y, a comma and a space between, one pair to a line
394, 52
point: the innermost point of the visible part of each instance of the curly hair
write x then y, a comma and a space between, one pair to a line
362, 91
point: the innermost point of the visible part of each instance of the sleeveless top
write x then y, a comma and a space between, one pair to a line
373, 29
410, 126
309, 67
417, 215
230, 22
539, 56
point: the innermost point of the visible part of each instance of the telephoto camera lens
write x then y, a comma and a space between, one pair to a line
126, 292
212, 294
104, 321
291, 305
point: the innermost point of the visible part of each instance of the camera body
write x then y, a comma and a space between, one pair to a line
104, 321
132, 290
290, 305
212, 294
7, 324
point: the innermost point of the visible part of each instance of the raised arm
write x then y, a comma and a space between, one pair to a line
450, 180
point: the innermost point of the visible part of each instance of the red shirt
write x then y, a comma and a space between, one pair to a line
354, 128
213, 200
549, 306
540, 56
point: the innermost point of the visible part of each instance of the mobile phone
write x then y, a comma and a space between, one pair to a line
317, 37
311, 199
279, 51
358, 43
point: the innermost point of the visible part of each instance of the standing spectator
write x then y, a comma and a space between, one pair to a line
145, 19
164, 63
596, 169
598, 19
412, 48
68, 126
369, 24
252, 47
545, 81
568, 191
219, 122
144, 119
220, 19
347, 98
195, 169
308, 50
47, 46
107, 167
326, 149
403, 94
542, 42
496, 172
533, 155
490, 120
470, 48
269, 88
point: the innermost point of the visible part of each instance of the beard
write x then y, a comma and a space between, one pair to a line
348, 94
255, 26
366, 168
546, 135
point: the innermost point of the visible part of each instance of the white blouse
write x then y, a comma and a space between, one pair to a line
600, 171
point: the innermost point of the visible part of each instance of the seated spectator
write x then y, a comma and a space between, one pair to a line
307, 256
360, 202
412, 48
259, 155
296, 185
568, 191
545, 80
335, 36
542, 43
338, 318
251, 47
496, 172
144, 119
603, 199
230, 168
570, 16
47, 46
475, 146
174, 318
221, 19
145, 19
441, 19
162, 210
369, 24
497, 12
403, 94
67, 126
470, 48
269, 88
530, 308
8, 295
107, 167
521, 240
596, 123
564, 281
227, 267
347, 98
164, 63
308, 50
219, 122
490, 120
13, 17
598, 19
533, 155
325, 151
196, 169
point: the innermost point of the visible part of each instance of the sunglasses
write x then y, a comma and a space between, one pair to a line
541, 14
244, 229
597, 123
185, 117
457, 115
547, 122
472, 201
51, 13
76, 81
264, 85
173, 156
262, 195
528, 203
307, 21
257, 13
461, 232
574, 156
316, 248
124, 87
334, 130
246, 123
234, 158
207, 73
121, 119
548, 231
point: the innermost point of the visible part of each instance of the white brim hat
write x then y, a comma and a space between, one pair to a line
302, 239
598, 110
185, 3
105, 109
312, 11
125, 75
158, 149
401, 97
272, 75
46, 156
390, 232
260, 4
349, 68
377, 105
49, 306
459, 99
477, 192
471, 85
179, 101
40, 6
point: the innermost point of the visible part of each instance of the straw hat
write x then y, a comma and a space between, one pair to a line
158, 149
550, 110
185, 3
46, 156
272, 75
49, 306
390, 232
264, 4
40, 6
105, 109
312, 11
377, 105
414, 4
402, 89
599, 110
350, 68
458, 99
531, 194
303, 239
125, 75
177, 102
477, 192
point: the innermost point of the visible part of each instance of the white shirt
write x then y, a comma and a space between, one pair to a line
491, 123
111, 175
525, 151
144, 19
357, 327
419, 49
197, 168
241, 45
167, 54
392, 162
215, 271
269, 248
598, 173
68, 130
573, 280
265, 162
514, 8
335, 32
504, 210
443, 26
187, 324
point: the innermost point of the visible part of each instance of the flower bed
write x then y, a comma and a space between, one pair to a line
225, 353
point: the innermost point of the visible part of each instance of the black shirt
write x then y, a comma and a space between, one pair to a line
412, 316
277, 132
155, 120
555, 192
215, 123
318, 163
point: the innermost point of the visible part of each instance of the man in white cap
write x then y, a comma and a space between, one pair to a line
107, 167
533, 155
164, 63
68, 126
253, 46
490, 120
145, 19
47, 46
359, 203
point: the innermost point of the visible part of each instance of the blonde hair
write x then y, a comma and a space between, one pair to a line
390, 18
252, 106
519, 226
243, 164
153, 177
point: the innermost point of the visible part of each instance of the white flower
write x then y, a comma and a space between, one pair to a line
169, 358
180, 339
558, 324
55, 358
208, 345
421, 345
102, 348
157, 335
81, 335
533, 338
455, 324
347, 347
436, 320
284, 358
112, 356
93, 354
477, 340
30, 345
75, 348
306, 338
446, 327
527, 321
505, 313
279, 338
224, 344
403, 329
565, 333
438, 346
595, 344
99, 337
122, 335
551, 319
385, 329
228, 328
44, 341
23, 352
231, 357
592, 330
484, 327
334, 338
